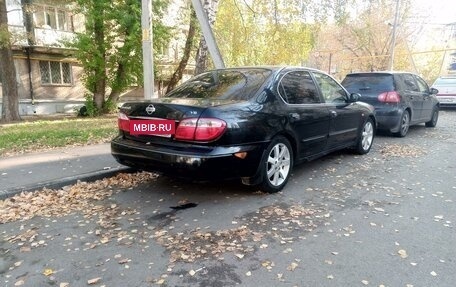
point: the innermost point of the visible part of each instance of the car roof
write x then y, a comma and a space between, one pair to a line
272, 68
448, 77
382, 73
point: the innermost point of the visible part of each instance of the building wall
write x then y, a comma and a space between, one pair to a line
38, 96
41, 98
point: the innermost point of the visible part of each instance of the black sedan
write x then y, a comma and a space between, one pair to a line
251, 123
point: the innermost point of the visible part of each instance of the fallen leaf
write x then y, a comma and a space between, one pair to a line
48, 272
292, 266
123, 261
17, 264
94, 281
265, 263
403, 253
25, 249
104, 240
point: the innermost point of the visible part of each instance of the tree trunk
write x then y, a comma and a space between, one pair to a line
177, 76
100, 85
120, 75
10, 105
210, 6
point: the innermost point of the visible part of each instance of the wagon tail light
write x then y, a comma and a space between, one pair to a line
203, 129
389, 97
123, 122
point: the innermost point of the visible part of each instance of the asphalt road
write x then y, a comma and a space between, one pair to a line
383, 219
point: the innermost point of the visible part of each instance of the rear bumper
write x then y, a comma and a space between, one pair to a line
389, 119
447, 100
200, 163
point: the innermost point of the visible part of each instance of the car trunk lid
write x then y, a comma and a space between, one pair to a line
164, 110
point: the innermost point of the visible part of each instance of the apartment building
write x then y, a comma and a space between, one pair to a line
47, 73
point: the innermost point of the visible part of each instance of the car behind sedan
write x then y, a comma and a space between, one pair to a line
251, 123
446, 87
400, 99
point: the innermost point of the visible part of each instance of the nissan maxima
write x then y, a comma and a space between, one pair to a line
252, 123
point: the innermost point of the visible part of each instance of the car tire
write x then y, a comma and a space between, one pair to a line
404, 124
435, 117
276, 165
365, 137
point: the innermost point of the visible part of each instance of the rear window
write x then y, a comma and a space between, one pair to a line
359, 83
445, 82
222, 85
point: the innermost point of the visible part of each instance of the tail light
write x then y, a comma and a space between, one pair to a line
123, 122
203, 129
389, 97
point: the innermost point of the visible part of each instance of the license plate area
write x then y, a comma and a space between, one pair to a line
155, 127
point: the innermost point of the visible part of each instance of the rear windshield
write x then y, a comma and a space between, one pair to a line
222, 85
359, 83
445, 82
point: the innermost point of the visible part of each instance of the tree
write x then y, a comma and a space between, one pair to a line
210, 6
177, 75
263, 32
360, 40
110, 48
10, 106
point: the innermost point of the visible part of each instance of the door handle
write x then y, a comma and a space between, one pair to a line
333, 114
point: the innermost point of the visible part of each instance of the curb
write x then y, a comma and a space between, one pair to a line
59, 183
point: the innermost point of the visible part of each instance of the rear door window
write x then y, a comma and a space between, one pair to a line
410, 83
332, 92
297, 88
422, 86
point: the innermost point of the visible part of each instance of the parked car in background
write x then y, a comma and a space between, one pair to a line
251, 123
400, 99
447, 90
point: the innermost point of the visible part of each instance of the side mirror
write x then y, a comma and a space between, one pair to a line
354, 97
434, 91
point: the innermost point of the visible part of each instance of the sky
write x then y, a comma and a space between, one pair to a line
439, 11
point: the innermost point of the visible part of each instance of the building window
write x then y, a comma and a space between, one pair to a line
55, 73
52, 18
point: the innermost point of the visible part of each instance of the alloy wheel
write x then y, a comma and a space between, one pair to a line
278, 164
367, 135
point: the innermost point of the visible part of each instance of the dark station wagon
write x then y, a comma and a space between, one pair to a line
401, 99
251, 123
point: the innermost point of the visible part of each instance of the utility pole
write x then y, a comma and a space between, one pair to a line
393, 40
147, 38
208, 35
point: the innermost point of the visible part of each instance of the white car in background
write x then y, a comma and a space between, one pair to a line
447, 90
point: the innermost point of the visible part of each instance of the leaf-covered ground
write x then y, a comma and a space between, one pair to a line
384, 219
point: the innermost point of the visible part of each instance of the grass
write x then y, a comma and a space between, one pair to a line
47, 134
